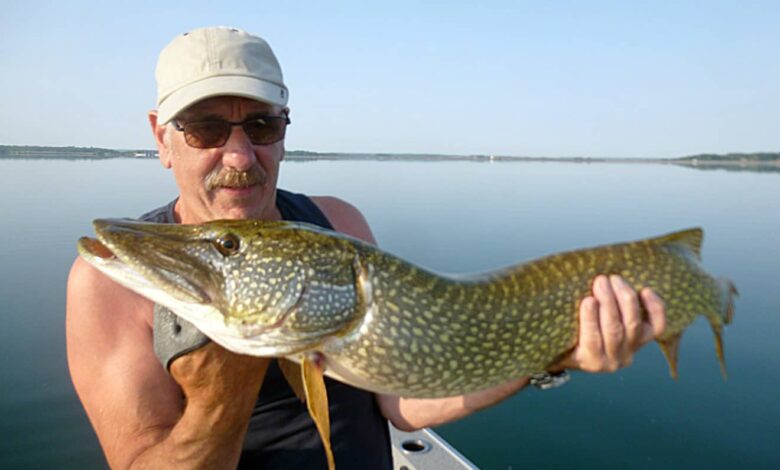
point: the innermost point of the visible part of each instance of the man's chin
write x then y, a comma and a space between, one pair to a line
240, 193
240, 203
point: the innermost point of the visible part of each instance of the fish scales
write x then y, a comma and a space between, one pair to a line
534, 315
383, 323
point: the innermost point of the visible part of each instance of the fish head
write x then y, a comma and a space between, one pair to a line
256, 287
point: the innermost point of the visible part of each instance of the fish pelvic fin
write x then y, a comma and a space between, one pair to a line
691, 238
294, 376
317, 402
307, 381
670, 346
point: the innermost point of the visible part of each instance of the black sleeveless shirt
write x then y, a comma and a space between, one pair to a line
281, 434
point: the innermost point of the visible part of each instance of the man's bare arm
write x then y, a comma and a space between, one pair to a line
140, 414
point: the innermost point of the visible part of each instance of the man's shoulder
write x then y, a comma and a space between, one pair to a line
85, 277
344, 217
335, 205
92, 293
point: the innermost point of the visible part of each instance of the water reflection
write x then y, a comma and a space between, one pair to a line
452, 217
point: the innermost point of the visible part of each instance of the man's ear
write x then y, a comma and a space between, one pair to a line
163, 149
286, 111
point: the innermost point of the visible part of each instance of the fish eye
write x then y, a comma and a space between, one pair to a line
227, 244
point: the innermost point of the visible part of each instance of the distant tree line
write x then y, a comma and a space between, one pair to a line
70, 152
755, 156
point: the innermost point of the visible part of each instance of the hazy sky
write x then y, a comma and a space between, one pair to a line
544, 78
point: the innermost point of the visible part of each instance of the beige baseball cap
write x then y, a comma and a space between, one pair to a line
216, 61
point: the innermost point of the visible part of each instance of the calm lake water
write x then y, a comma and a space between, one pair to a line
454, 217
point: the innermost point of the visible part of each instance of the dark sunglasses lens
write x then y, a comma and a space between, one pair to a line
265, 131
206, 134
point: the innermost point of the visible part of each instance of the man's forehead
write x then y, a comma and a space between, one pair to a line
226, 105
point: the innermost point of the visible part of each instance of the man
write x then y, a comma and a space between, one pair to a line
220, 127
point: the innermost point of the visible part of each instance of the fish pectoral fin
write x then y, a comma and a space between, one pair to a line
294, 376
363, 288
317, 402
670, 347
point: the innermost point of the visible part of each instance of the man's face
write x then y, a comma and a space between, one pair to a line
234, 181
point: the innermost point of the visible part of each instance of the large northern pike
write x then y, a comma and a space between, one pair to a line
381, 323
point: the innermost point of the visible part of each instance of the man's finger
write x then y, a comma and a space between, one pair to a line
656, 311
612, 330
590, 349
648, 334
590, 330
630, 312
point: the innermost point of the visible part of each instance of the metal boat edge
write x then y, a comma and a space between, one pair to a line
425, 450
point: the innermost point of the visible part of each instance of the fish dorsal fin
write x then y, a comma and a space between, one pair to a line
690, 238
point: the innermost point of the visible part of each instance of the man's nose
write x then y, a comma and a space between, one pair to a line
238, 151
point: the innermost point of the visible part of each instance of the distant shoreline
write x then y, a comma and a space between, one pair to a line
760, 161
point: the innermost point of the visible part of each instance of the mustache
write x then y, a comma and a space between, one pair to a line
227, 177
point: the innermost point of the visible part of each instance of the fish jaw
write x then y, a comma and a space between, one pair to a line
170, 258
105, 261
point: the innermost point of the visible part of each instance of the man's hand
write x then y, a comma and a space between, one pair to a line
220, 389
212, 375
612, 327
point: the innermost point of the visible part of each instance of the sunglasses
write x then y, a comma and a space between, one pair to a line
213, 133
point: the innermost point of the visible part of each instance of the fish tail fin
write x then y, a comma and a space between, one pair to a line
723, 316
670, 346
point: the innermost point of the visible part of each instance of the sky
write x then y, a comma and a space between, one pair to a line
630, 79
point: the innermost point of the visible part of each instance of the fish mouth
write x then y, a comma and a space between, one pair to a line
140, 256
95, 249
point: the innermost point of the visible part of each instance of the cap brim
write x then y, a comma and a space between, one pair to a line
233, 85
